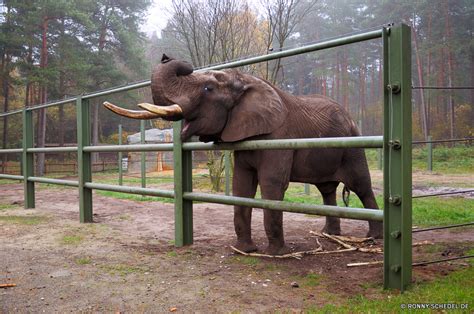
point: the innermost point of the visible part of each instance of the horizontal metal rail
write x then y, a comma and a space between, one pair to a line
53, 181
332, 43
11, 177
130, 148
324, 210
348, 39
69, 149
11, 150
299, 143
129, 189
445, 141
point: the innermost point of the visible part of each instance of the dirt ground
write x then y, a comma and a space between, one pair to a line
126, 261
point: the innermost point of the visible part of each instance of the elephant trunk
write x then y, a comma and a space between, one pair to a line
167, 79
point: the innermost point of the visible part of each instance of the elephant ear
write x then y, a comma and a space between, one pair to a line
259, 110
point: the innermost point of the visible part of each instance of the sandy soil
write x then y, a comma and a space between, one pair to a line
126, 261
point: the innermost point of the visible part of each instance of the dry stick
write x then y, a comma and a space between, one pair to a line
353, 239
7, 285
364, 264
296, 255
344, 244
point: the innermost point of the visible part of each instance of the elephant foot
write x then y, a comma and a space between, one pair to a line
277, 250
334, 230
246, 246
375, 230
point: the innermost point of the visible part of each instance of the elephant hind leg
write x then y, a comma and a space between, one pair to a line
328, 192
368, 199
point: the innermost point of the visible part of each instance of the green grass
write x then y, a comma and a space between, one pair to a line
442, 211
311, 280
83, 261
431, 211
246, 260
23, 220
122, 269
8, 206
71, 239
172, 254
134, 197
458, 159
457, 288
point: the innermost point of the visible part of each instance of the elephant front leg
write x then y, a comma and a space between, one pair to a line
274, 177
244, 184
242, 225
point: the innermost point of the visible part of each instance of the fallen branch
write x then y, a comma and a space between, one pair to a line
422, 243
297, 255
364, 264
370, 250
344, 244
7, 285
336, 251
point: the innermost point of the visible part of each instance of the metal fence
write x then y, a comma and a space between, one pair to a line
396, 143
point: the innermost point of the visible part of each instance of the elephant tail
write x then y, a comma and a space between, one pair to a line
346, 193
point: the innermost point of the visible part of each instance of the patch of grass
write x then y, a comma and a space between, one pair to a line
311, 280
124, 217
8, 206
172, 254
23, 220
452, 160
457, 288
6, 181
434, 211
83, 261
442, 211
134, 197
122, 269
246, 260
72, 239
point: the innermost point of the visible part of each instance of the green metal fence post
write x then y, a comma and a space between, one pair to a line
306, 188
143, 154
430, 154
183, 209
84, 164
397, 157
227, 171
28, 159
380, 158
120, 156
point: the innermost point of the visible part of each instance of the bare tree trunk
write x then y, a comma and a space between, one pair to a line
345, 82
450, 74
419, 67
62, 93
44, 98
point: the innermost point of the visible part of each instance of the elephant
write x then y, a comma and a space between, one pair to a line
231, 106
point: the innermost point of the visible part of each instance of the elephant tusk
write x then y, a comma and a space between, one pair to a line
173, 112
134, 114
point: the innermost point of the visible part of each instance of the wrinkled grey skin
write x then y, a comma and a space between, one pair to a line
231, 106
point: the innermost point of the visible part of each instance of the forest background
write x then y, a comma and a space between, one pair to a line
52, 50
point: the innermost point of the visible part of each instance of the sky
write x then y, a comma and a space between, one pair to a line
158, 16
